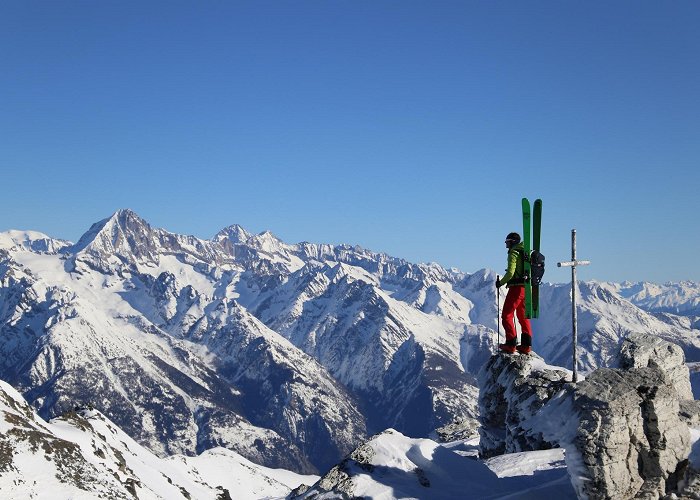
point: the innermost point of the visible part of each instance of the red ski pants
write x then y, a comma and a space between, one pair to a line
515, 304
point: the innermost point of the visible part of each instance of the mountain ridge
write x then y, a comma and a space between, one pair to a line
250, 342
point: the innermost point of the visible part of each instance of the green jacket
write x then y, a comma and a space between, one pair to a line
516, 270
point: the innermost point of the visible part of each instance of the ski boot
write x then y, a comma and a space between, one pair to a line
507, 348
525, 346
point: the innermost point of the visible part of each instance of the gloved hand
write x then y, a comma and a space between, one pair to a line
498, 283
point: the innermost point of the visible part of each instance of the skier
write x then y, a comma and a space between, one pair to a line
514, 280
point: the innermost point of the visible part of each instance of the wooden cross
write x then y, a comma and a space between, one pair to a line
573, 263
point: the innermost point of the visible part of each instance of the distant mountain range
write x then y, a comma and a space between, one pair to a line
678, 298
290, 355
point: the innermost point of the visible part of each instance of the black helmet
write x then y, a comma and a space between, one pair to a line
514, 237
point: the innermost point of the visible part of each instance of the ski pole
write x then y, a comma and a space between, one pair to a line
498, 311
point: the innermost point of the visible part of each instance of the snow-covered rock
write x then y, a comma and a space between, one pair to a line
621, 428
512, 390
408, 365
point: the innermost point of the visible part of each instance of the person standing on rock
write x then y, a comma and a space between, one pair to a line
514, 280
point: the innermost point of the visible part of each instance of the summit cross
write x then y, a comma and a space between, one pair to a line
573, 264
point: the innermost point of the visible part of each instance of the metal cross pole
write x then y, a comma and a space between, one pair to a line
573, 263
498, 312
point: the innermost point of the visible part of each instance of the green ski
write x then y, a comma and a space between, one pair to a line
526, 259
536, 232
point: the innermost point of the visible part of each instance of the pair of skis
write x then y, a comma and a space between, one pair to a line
532, 292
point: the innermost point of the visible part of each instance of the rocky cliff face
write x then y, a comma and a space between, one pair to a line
641, 351
513, 389
621, 428
630, 440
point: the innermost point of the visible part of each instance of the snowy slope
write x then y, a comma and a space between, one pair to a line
30, 240
82, 454
392, 465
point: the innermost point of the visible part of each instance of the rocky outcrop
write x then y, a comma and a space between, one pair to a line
340, 479
630, 440
642, 350
461, 429
624, 430
690, 412
513, 388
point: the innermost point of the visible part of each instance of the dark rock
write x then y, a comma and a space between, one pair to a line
458, 430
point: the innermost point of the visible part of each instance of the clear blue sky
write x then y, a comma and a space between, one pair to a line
412, 128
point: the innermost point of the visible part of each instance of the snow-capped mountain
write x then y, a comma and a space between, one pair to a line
677, 298
31, 241
404, 363
289, 354
604, 318
82, 454
152, 345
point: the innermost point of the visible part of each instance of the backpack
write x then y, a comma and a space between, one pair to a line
536, 267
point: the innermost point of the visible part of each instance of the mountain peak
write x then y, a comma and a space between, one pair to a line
126, 214
267, 242
115, 234
234, 234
